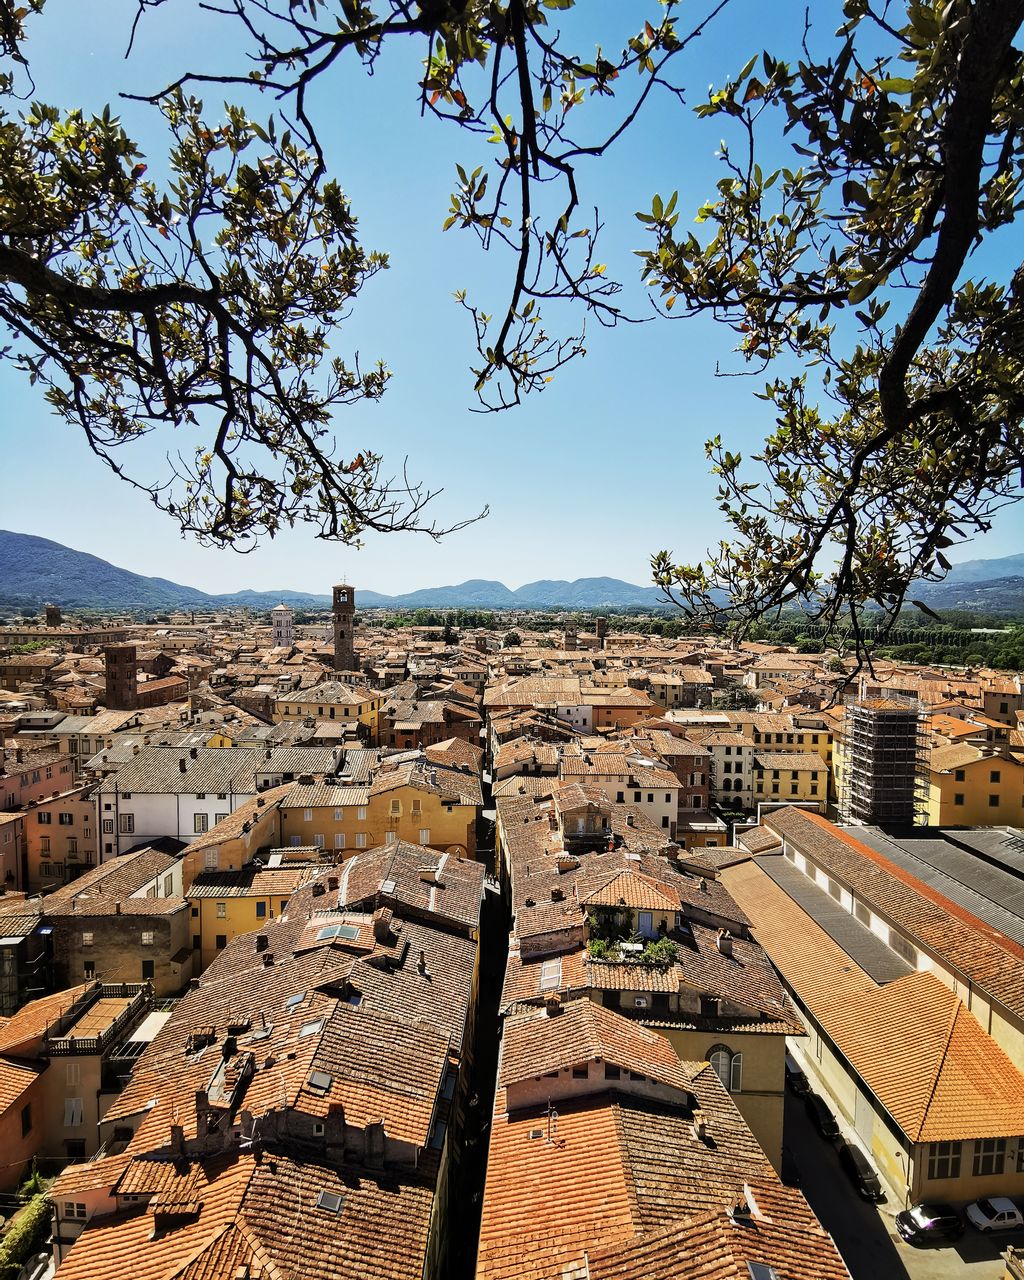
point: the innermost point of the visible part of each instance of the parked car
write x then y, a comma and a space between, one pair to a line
857, 1168
795, 1079
995, 1213
822, 1119
929, 1223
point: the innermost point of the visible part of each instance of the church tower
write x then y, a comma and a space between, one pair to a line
344, 625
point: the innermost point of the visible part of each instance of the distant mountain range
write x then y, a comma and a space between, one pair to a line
34, 571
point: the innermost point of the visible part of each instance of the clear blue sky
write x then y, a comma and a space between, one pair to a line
587, 479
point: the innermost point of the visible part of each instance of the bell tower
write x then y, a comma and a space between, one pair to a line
344, 626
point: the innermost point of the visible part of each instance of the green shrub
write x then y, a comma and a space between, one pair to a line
26, 1235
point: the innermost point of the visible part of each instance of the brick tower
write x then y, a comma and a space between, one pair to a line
121, 668
344, 625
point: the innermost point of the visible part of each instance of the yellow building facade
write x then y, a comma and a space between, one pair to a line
967, 788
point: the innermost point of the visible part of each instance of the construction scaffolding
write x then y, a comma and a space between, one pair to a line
884, 757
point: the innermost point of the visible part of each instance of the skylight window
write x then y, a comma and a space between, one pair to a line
293, 1002
331, 931
329, 1200
321, 1081
311, 1028
388, 886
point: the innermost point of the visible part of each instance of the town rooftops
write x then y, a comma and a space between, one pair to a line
913, 1042
535, 1042
209, 770
979, 951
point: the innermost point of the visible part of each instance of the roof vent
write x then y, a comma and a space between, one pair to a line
182, 765
262, 942
318, 890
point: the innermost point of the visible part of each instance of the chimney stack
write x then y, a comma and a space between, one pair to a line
724, 941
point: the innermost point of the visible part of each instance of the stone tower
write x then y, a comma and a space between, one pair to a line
602, 632
121, 669
53, 616
344, 625
281, 620
570, 639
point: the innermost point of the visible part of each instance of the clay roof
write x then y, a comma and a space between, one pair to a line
637, 891
784, 1234
536, 1042
991, 961
913, 1042
263, 1215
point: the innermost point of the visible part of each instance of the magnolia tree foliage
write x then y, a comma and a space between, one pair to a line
204, 304
865, 264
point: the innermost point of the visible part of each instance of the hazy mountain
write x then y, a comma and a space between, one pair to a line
986, 570
34, 571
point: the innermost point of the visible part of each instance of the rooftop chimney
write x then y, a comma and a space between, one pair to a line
182, 765
421, 965
703, 885
724, 941
553, 1004
262, 942
268, 959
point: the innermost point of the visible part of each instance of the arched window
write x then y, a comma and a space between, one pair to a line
728, 1066
727, 784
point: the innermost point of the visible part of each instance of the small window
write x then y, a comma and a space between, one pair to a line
989, 1156
221, 941
108, 826
201, 823
89, 970
75, 1210
361, 840
45, 819
903, 948
959, 775
65, 819
86, 939
73, 1113
580, 1072
222, 910
147, 937
958, 798
26, 1119
126, 824
993, 775
261, 910
993, 802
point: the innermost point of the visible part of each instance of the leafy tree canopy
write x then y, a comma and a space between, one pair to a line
900, 432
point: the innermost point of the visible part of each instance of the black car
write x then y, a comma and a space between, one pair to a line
796, 1081
822, 1119
857, 1168
929, 1224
